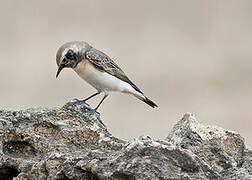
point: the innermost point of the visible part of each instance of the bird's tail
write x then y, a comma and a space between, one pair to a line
143, 98
150, 102
138, 94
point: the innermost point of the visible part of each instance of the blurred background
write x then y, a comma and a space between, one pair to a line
187, 56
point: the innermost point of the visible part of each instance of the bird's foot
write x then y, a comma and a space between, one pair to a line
97, 115
91, 111
94, 111
78, 101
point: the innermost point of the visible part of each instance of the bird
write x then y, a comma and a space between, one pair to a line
97, 69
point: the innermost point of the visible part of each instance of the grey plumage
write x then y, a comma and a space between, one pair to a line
105, 63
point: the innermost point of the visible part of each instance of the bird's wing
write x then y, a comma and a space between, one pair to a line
105, 63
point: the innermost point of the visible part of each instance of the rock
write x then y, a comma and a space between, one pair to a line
237, 173
72, 143
222, 150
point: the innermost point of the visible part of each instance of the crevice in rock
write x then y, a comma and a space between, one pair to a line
77, 174
8, 173
19, 149
90, 175
123, 176
62, 177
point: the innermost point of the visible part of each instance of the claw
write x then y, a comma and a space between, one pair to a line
96, 113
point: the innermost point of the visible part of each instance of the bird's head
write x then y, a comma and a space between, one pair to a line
70, 54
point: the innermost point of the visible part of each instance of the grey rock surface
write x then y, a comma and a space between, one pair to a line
72, 143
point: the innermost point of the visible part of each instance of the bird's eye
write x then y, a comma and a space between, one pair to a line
64, 60
70, 54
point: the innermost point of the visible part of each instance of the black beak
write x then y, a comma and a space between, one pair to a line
61, 66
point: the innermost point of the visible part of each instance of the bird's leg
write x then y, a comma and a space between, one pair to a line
104, 97
93, 95
94, 111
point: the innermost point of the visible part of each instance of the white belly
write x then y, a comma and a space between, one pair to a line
102, 81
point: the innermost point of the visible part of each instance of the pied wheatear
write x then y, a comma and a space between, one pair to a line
98, 69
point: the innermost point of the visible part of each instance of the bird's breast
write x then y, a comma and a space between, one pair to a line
100, 80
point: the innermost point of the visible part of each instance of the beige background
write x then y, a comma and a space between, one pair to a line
185, 55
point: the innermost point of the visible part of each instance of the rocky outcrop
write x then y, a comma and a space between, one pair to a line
72, 143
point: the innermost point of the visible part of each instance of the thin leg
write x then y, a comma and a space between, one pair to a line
104, 97
93, 95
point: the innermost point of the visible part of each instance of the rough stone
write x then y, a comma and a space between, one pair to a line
72, 143
220, 149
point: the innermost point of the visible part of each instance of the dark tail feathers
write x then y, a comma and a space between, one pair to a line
149, 102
